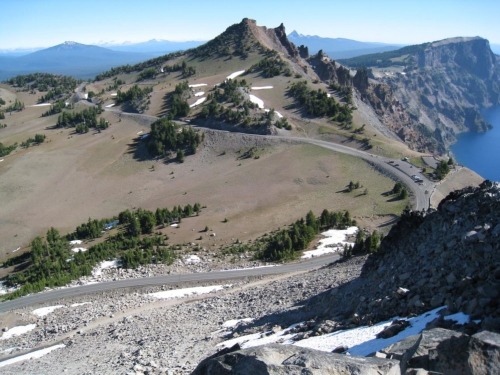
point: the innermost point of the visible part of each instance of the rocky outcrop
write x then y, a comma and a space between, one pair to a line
328, 71
447, 257
287, 359
441, 87
447, 352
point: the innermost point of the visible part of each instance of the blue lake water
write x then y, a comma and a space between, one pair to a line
481, 151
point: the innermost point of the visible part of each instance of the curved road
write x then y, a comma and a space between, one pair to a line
167, 279
397, 169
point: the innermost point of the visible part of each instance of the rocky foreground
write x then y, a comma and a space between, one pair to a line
448, 258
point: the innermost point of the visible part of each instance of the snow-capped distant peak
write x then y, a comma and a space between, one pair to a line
70, 43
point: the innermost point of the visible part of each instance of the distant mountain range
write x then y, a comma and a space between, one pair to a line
84, 61
155, 46
339, 48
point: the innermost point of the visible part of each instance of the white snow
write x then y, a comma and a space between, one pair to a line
41, 105
185, 292
35, 354
17, 331
42, 311
17, 249
360, 341
279, 114
192, 259
75, 242
235, 74
234, 322
334, 241
198, 102
256, 339
110, 105
459, 317
97, 271
80, 304
198, 85
114, 94
175, 225
79, 249
262, 87
259, 102
199, 93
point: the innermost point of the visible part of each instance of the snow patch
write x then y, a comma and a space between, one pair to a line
234, 322
185, 292
361, 341
75, 242
199, 93
198, 85
114, 94
97, 271
42, 105
262, 87
110, 105
35, 354
17, 331
198, 102
192, 259
278, 114
334, 241
259, 102
80, 304
5, 290
79, 249
42, 311
235, 74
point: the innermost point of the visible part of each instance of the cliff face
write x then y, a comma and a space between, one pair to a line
441, 87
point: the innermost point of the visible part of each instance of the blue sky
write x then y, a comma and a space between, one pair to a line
43, 23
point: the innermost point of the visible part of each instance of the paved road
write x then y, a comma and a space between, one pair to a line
167, 279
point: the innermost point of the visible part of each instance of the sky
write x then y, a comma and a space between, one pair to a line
44, 23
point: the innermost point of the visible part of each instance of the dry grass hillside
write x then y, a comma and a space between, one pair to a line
72, 177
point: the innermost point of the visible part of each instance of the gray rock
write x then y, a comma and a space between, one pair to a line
289, 359
484, 353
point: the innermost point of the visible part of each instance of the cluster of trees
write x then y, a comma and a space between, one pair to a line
135, 97
443, 168
179, 106
39, 138
2, 102
6, 150
116, 83
286, 243
16, 107
271, 67
227, 104
51, 262
399, 190
166, 138
124, 69
2, 115
364, 245
317, 103
345, 92
55, 108
54, 84
83, 120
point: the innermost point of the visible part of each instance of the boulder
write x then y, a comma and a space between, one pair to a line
484, 353
289, 359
